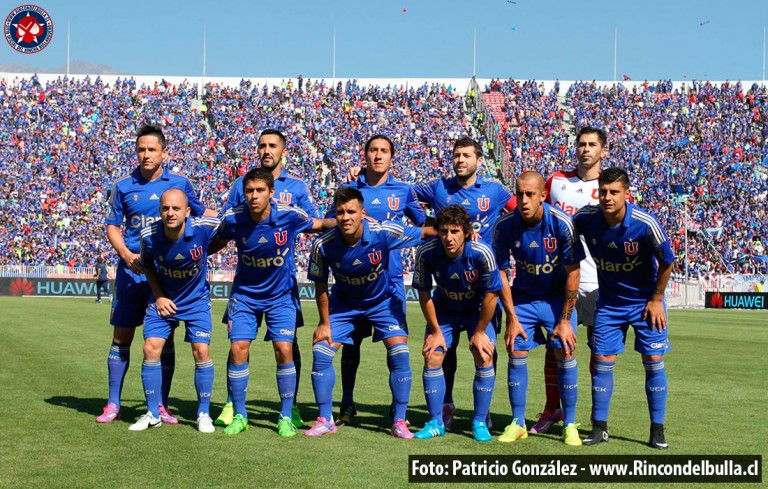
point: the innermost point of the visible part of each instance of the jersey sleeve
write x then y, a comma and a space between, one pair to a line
548, 189
662, 250
318, 266
145, 246
570, 245
500, 245
399, 237
198, 208
226, 229
503, 197
307, 204
422, 276
425, 192
300, 220
490, 280
413, 210
235, 197
115, 216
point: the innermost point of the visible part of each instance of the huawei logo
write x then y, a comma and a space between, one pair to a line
717, 300
21, 286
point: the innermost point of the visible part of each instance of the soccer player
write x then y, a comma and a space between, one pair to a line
570, 191
292, 191
547, 253
174, 256
468, 285
102, 279
634, 262
386, 199
484, 200
264, 232
358, 252
133, 204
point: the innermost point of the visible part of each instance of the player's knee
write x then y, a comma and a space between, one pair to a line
652, 358
239, 352
152, 349
434, 359
201, 352
283, 352
123, 336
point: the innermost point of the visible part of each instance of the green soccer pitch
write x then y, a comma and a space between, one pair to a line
54, 383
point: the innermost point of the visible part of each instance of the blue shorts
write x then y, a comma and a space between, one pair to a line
452, 326
296, 303
386, 317
364, 328
610, 331
244, 319
198, 325
132, 296
539, 319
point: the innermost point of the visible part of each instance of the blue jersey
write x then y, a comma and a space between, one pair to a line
541, 252
135, 202
264, 249
485, 200
288, 191
391, 201
361, 271
626, 255
462, 282
182, 264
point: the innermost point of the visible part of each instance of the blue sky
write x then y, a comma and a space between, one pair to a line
377, 39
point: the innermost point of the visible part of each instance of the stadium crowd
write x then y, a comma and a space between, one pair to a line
62, 143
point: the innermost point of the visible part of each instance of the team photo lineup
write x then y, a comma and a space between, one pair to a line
506, 267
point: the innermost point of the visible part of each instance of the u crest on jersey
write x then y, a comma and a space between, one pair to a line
196, 253
285, 197
550, 244
471, 275
393, 202
630, 247
483, 203
281, 237
375, 257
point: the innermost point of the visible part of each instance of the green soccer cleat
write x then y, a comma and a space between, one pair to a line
513, 432
238, 425
285, 427
226, 416
571, 435
296, 417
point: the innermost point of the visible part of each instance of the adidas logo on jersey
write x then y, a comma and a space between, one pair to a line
375, 201
262, 240
612, 245
356, 262
533, 244
466, 202
455, 276
154, 197
178, 257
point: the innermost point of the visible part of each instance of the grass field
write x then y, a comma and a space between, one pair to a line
53, 380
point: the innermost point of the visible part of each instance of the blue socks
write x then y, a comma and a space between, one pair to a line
602, 390
118, 360
656, 390
434, 391
485, 378
517, 382
168, 361
151, 378
204, 386
323, 377
400, 377
568, 383
286, 387
237, 375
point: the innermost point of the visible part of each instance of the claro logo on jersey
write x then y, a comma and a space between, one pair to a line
142, 221
363, 280
540, 268
458, 296
568, 209
617, 266
261, 262
170, 272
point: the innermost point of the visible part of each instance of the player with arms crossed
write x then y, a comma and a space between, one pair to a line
292, 191
570, 191
386, 199
484, 200
358, 252
547, 253
174, 256
133, 203
634, 262
264, 233
468, 285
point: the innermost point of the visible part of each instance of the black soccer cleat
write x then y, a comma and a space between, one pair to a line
657, 439
346, 414
599, 434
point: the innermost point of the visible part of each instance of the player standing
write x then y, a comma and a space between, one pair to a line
133, 204
174, 256
465, 299
634, 262
547, 253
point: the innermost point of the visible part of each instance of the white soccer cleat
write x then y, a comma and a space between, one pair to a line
205, 423
146, 421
